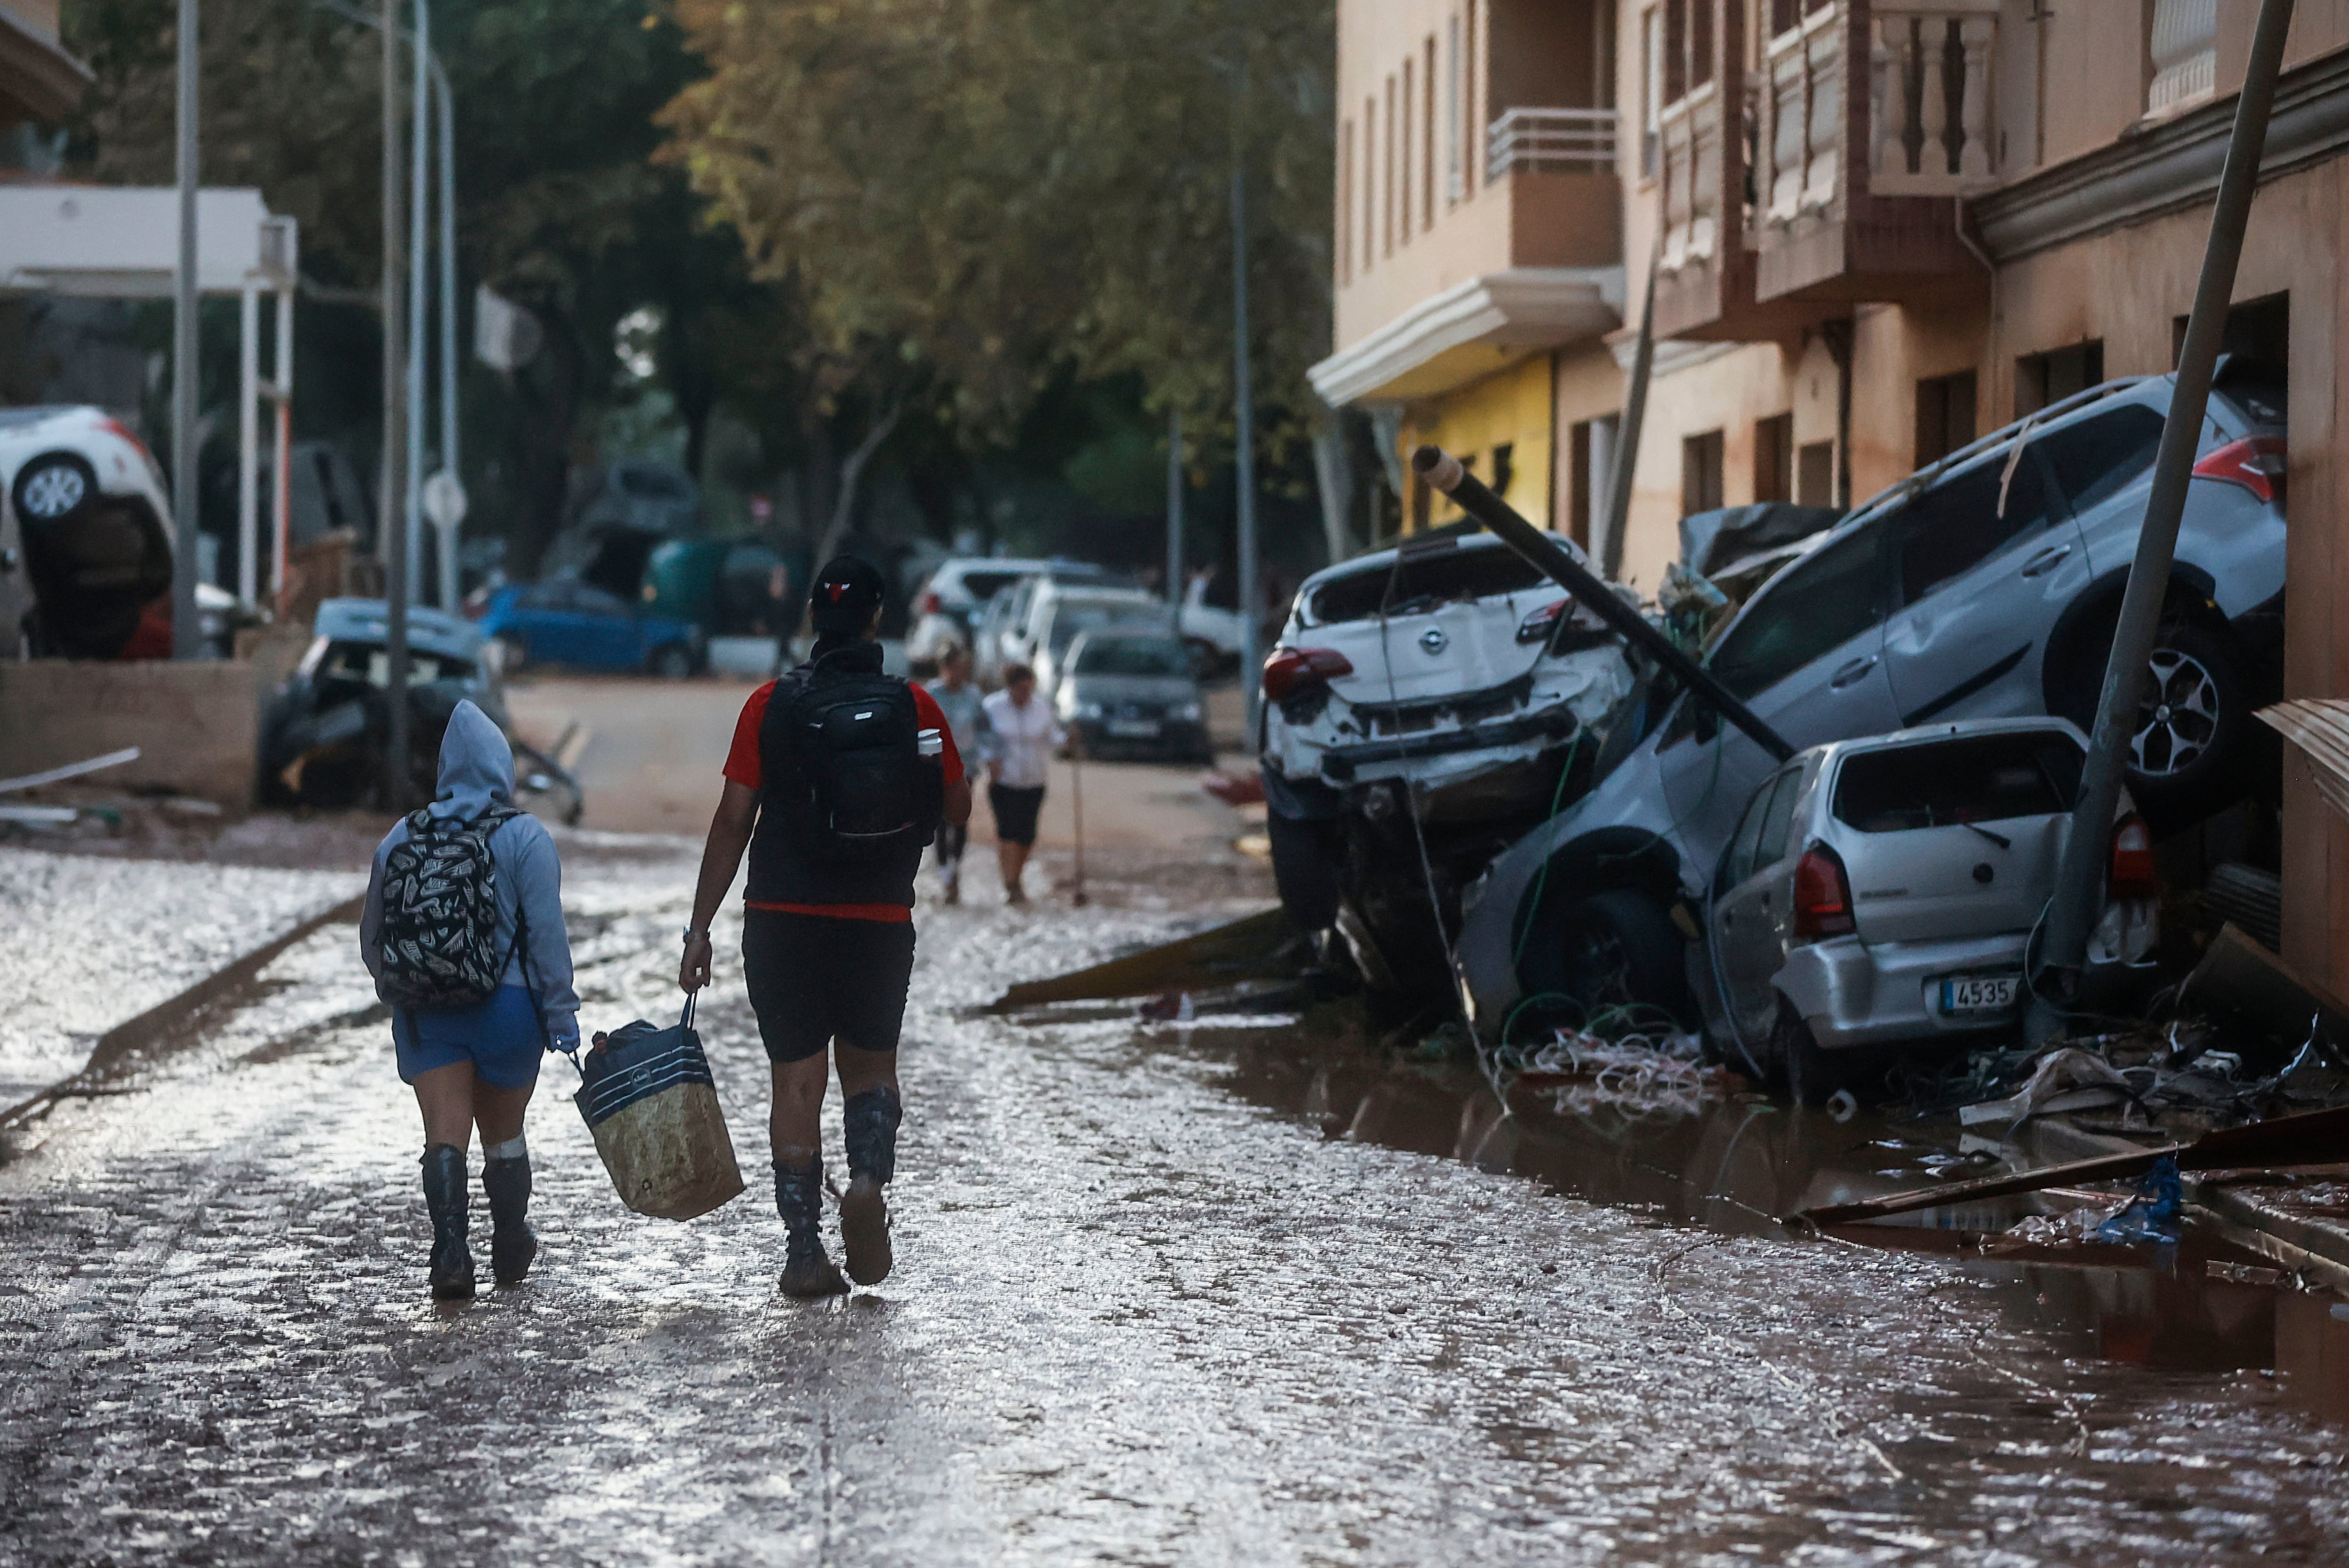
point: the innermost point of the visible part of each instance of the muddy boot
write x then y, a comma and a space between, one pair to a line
446, 1194
871, 1120
505, 1179
799, 1199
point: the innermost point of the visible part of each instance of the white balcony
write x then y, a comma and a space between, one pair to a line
1930, 93
1799, 147
1551, 141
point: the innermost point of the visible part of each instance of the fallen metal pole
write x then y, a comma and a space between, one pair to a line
1471, 494
1627, 433
2079, 888
2318, 1137
70, 770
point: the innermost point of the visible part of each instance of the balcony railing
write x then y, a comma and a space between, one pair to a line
1551, 140
1690, 132
1801, 139
1930, 63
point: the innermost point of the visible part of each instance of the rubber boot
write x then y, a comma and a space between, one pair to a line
807, 1273
512, 1243
446, 1195
871, 1121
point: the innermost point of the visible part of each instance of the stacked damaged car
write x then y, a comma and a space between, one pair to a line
1852, 871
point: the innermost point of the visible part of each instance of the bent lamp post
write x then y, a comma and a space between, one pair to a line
1444, 471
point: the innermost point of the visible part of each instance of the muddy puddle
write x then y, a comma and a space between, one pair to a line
1722, 1157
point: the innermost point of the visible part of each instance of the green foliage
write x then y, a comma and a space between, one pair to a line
1018, 188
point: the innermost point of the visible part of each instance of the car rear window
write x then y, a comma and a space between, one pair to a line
1972, 779
1450, 577
984, 585
2102, 455
1134, 656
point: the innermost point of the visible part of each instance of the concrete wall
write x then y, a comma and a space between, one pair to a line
196, 725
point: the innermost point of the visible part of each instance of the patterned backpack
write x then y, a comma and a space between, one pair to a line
438, 943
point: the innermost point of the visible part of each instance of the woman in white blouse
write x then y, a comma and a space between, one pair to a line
1022, 736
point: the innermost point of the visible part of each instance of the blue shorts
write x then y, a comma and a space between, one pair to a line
501, 1037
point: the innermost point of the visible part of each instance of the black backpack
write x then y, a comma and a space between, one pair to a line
858, 792
438, 942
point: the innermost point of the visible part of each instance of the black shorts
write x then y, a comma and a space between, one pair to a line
1015, 811
814, 979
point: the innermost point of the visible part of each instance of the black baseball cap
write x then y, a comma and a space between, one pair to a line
844, 594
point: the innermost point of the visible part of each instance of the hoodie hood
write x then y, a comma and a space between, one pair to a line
476, 765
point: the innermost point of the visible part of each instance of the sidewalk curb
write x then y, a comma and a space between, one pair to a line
108, 1054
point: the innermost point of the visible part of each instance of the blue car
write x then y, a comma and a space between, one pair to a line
567, 622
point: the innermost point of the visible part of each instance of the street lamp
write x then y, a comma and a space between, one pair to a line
187, 633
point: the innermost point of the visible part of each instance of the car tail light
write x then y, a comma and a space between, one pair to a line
1537, 626
1822, 895
116, 426
2132, 873
1289, 670
2255, 462
930, 605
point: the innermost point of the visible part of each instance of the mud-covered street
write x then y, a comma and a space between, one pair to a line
1147, 1310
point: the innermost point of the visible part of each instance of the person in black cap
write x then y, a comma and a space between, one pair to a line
838, 778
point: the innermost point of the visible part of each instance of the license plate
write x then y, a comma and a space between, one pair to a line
1133, 727
1980, 993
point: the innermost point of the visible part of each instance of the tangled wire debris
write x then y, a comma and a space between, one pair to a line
1656, 1072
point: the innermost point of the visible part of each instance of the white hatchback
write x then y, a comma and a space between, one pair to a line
86, 541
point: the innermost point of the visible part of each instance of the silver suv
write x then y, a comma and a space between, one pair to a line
1882, 892
1985, 586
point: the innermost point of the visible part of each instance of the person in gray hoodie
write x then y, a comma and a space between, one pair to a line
476, 1066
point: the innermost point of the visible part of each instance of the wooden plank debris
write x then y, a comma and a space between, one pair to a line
2315, 1138
1254, 948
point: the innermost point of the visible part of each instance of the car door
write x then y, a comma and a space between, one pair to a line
1807, 656
2102, 467
1752, 916
549, 625
1982, 565
608, 635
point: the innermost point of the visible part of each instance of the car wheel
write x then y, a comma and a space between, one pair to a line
2186, 750
1305, 871
53, 487
1812, 1076
1619, 950
672, 661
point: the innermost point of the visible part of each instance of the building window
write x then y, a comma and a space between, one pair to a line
1699, 472
1774, 457
1815, 474
1651, 89
1676, 82
2181, 52
1700, 43
1427, 136
1602, 56
2041, 380
1945, 416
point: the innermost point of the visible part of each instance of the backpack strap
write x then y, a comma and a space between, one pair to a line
521, 946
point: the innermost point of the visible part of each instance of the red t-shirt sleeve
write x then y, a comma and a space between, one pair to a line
933, 717
742, 759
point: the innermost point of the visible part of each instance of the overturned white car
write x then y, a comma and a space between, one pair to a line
1447, 680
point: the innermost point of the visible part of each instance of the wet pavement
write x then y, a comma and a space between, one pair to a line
91, 942
1166, 1295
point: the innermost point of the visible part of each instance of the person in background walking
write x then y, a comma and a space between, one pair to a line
964, 706
835, 821
471, 883
1022, 735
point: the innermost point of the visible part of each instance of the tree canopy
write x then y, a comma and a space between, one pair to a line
1005, 190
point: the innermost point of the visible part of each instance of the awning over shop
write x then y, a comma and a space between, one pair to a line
1471, 330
